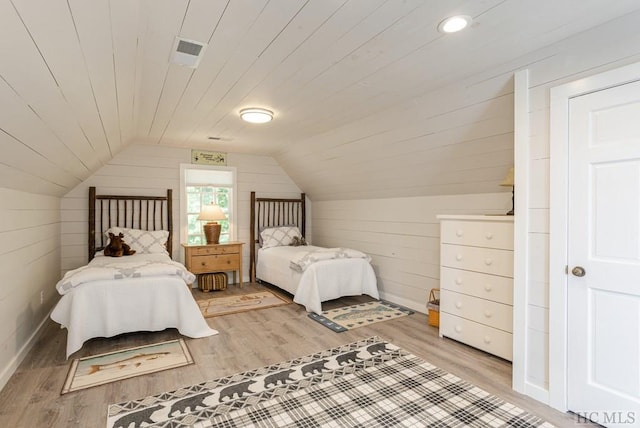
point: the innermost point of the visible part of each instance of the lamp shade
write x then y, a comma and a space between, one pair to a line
211, 213
509, 179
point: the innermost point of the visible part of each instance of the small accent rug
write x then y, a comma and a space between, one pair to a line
350, 317
104, 368
366, 383
217, 306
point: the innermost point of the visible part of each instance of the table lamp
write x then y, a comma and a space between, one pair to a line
211, 214
510, 181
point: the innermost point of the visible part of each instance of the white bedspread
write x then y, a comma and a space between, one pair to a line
316, 254
321, 281
118, 268
106, 308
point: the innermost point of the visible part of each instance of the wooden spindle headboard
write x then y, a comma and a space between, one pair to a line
272, 212
133, 212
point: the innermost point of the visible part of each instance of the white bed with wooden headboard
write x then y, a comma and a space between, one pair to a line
312, 274
144, 292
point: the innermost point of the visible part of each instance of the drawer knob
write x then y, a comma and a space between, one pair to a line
488, 261
488, 314
458, 329
458, 281
459, 232
458, 305
489, 235
458, 257
487, 340
203, 263
487, 287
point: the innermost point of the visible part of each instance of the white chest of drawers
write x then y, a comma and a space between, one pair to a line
476, 281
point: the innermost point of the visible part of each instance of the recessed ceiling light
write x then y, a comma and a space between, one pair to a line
256, 115
454, 24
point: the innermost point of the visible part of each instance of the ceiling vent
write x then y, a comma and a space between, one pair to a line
187, 52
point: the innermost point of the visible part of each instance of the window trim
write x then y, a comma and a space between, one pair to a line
183, 199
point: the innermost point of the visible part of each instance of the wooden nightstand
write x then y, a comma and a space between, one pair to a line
214, 258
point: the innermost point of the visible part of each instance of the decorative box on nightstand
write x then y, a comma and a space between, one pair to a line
202, 259
476, 281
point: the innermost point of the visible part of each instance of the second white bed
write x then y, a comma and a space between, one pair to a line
322, 281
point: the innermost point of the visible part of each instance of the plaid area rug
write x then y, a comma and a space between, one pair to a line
360, 315
370, 383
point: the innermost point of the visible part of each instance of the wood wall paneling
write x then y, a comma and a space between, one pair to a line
29, 265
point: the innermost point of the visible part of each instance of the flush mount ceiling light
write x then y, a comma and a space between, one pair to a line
256, 115
454, 24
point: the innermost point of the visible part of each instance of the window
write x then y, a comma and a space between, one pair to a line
202, 186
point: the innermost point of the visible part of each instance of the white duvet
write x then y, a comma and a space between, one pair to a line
108, 307
320, 281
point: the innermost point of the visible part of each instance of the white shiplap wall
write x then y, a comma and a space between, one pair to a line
402, 236
403, 241
606, 47
149, 170
29, 265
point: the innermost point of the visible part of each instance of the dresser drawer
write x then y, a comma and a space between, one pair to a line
214, 263
478, 234
493, 314
222, 249
486, 260
483, 285
488, 339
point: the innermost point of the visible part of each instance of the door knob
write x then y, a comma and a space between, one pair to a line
578, 271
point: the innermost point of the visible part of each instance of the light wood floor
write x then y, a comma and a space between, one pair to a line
246, 340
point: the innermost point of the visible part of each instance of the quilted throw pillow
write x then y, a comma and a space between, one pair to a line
279, 236
143, 241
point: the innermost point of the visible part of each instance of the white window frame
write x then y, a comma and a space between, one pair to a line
183, 200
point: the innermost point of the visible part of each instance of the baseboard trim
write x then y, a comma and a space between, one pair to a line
411, 304
13, 365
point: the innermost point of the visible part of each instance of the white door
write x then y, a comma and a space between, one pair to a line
604, 241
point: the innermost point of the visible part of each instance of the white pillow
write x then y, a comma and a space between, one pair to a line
143, 241
279, 236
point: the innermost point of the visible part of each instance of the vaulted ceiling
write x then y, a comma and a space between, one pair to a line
369, 98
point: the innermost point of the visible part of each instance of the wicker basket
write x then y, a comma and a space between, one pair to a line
212, 281
433, 305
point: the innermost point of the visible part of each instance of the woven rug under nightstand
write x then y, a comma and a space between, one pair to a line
217, 306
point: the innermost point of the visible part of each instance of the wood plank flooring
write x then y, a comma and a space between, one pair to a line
246, 340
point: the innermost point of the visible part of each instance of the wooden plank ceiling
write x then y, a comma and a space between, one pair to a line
370, 100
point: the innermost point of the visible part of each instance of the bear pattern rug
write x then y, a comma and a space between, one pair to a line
366, 383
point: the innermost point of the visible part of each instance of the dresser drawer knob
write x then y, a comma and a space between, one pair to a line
488, 261
459, 232
458, 329
489, 235
458, 257
203, 263
458, 305
458, 281
487, 340
488, 314
487, 288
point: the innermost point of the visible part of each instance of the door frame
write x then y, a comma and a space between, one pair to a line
560, 97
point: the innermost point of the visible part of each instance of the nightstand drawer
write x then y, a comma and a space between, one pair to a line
218, 249
214, 263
